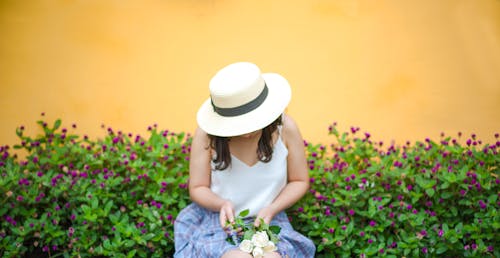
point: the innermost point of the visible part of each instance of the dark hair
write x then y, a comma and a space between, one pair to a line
222, 158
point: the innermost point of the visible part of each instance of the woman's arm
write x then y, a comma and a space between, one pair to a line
199, 179
298, 177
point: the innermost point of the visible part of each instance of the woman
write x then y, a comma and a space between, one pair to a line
245, 154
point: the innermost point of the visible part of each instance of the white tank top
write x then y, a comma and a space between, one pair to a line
252, 187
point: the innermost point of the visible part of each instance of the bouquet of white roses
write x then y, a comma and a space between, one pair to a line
253, 240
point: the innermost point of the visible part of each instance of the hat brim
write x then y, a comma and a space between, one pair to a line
275, 104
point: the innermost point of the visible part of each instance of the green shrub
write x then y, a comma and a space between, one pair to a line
72, 196
425, 199
81, 198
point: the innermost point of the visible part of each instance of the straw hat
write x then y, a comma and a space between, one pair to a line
243, 100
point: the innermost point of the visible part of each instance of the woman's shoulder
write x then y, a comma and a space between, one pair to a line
290, 130
200, 137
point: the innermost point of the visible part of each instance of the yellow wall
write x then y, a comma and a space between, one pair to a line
398, 69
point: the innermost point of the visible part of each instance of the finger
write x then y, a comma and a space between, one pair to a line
257, 222
230, 216
222, 219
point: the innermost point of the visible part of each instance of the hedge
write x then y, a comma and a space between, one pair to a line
72, 196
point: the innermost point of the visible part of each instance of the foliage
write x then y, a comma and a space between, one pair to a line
76, 197
423, 200
118, 196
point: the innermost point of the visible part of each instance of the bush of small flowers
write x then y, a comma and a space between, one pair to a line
72, 196
425, 199
77, 197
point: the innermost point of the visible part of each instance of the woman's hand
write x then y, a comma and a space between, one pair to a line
226, 214
267, 214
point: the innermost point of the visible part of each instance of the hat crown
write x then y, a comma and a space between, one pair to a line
236, 85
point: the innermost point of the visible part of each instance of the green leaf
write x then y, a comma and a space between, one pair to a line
94, 202
244, 213
132, 253
57, 124
108, 207
107, 244
430, 192
450, 177
128, 243
275, 229
445, 228
441, 249
446, 195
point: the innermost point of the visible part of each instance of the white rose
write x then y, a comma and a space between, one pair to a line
271, 247
257, 252
260, 239
246, 246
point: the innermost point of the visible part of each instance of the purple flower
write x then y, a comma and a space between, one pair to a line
490, 248
424, 250
351, 212
331, 230
482, 204
344, 227
440, 233
362, 234
372, 223
370, 241
45, 249
73, 216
